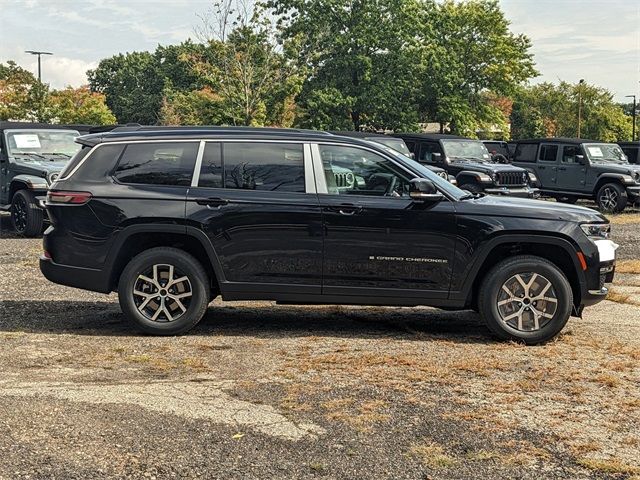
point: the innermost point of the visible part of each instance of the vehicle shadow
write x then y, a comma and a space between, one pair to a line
244, 319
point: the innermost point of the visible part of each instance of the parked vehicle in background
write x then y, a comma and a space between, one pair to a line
632, 151
171, 218
571, 168
396, 144
31, 157
499, 150
469, 161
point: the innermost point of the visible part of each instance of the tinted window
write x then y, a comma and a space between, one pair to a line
548, 153
264, 166
100, 163
525, 152
353, 171
168, 163
569, 153
211, 169
75, 160
426, 152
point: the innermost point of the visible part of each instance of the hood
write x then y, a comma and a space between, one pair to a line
486, 167
498, 206
39, 164
624, 168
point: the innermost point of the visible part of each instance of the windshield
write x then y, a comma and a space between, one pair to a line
423, 172
396, 143
605, 152
44, 142
474, 149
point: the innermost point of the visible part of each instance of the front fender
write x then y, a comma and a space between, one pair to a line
32, 182
475, 176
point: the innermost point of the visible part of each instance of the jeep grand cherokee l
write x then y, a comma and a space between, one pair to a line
31, 157
573, 168
171, 218
470, 162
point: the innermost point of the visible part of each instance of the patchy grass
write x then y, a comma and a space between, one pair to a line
611, 466
628, 266
625, 298
624, 219
432, 455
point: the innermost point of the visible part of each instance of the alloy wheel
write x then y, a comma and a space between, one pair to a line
527, 302
19, 213
609, 199
162, 293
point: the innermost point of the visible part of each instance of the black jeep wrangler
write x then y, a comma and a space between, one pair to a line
31, 157
571, 168
470, 162
171, 218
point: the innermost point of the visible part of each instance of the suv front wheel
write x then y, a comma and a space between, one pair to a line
525, 298
164, 291
26, 216
612, 198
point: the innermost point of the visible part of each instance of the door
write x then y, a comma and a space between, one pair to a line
256, 202
547, 166
572, 175
377, 241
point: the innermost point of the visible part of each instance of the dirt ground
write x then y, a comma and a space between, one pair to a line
265, 391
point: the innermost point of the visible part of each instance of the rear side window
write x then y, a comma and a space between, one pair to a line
525, 152
548, 153
264, 166
162, 163
74, 161
211, 168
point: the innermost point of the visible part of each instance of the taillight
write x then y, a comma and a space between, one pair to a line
68, 198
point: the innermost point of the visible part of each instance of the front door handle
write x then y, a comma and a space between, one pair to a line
541, 167
347, 209
562, 168
212, 201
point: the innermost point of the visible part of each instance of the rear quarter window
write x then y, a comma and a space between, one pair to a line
525, 152
74, 162
162, 163
99, 164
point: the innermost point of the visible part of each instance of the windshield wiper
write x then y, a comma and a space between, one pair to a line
58, 153
28, 154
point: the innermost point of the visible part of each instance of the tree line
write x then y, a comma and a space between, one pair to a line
350, 65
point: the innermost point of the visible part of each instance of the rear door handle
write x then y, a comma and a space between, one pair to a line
562, 168
212, 201
541, 167
347, 209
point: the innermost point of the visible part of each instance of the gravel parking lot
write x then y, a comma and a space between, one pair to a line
265, 391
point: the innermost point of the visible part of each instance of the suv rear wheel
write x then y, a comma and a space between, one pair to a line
164, 291
525, 298
26, 216
612, 198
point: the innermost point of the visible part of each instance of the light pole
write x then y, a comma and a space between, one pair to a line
633, 115
580, 83
39, 54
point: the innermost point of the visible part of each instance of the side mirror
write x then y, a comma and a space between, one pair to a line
412, 155
436, 157
423, 190
581, 160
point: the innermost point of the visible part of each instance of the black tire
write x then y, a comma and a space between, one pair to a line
26, 215
184, 265
570, 200
492, 288
471, 187
612, 198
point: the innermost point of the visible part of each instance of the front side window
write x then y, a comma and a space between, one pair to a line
354, 171
211, 169
264, 166
426, 152
569, 153
396, 143
548, 153
162, 163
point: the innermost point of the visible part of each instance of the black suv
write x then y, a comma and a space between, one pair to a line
571, 168
470, 162
170, 218
631, 150
31, 157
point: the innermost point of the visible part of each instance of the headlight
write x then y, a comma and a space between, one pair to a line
596, 231
483, 177
532, 177
453, 180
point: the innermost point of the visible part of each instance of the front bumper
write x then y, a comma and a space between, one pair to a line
633, 192
601, 274
521, 192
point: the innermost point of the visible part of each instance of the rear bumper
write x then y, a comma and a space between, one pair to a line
521, 192
77, 277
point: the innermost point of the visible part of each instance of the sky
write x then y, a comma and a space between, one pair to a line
572, 39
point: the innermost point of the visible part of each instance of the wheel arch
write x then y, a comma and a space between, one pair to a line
135, 239
608, 178
560, 251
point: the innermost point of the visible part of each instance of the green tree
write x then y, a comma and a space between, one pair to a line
353, 53
468, 50
79, 105
552, 110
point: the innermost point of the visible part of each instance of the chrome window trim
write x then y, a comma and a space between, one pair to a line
309, 177
318, 168
195, 177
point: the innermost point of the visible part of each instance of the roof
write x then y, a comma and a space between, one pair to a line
430, 136
131, 133
7, 125
630, 144
358, 134
576, 141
